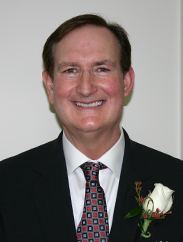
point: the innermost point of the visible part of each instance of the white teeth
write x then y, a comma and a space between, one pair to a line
94, 104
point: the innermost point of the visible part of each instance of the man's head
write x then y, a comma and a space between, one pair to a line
87, 82
77, 22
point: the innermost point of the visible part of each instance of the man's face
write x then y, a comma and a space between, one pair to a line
88, 86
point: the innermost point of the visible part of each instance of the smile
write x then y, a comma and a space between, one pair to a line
94, 104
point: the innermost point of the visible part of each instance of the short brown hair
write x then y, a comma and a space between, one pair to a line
79, 21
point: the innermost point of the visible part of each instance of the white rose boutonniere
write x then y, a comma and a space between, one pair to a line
155, 206
160, 198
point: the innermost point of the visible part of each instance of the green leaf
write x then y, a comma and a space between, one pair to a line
140, 226
133, 213
142, 215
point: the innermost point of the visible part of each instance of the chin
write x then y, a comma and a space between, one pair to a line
89, 127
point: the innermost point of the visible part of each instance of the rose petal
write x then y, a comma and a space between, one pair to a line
167, 192
168, 206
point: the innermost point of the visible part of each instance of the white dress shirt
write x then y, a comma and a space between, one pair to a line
108, 178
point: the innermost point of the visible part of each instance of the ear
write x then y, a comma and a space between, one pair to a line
48, 82
129, 81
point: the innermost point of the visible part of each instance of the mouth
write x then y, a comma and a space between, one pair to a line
94, 104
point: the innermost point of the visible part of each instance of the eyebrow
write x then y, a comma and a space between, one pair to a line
65, 64
105, 62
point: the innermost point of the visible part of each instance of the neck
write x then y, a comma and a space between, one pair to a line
93, 144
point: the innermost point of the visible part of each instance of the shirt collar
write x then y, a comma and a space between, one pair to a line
113, 158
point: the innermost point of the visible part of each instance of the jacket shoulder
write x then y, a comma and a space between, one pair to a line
29, 157
146, 151
159, 163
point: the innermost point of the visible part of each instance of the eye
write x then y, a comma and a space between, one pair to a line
70, 70
103, 69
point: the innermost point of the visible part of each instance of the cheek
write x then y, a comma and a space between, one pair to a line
115, 88
61, 90
60, 100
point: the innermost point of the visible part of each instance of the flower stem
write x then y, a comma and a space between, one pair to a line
145, 227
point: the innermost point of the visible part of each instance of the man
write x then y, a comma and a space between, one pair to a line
42, 191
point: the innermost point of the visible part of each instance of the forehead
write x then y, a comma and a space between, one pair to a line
88, 39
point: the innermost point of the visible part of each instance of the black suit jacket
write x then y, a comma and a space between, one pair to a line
35, 203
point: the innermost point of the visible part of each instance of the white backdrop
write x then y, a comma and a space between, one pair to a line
151, 116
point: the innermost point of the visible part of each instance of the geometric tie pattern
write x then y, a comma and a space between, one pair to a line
93, 226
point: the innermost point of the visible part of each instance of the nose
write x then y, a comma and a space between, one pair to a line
86, 85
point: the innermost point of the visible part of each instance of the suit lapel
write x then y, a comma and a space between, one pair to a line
51, 196
132, 170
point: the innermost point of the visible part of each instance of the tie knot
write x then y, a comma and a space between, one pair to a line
91, 170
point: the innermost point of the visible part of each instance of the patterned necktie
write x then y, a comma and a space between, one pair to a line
93, 226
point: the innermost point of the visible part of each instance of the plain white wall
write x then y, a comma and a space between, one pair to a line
151, 116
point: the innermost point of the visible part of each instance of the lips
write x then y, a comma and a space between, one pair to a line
93, 104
